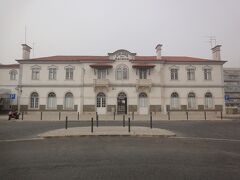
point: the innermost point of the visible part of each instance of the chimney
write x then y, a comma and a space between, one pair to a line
216, 55
158, 51
26, 51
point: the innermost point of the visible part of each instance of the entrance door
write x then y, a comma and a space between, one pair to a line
101, 103
143, 103
122, 103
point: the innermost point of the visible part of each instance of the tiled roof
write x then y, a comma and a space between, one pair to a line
9, 66
138, 58
101, 65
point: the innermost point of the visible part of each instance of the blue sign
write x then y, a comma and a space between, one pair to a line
12, 96
226, 97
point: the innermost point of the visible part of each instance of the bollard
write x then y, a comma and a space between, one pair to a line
114, 115
187, 115
151, 120
66, 123
92, 125
205, 115
96, 115
221, 115
78, 115
123, 120
129, 125
97, 121
41, 115
59, 116
22, 115
133, 115
168, 115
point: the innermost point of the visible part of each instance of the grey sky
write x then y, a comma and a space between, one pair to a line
96, 27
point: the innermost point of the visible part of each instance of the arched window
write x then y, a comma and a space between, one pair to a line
174, 101
191, 101
34, 100
122, 72
101, 100
143, 100
13, 75
52, 101
68, 101
208, 100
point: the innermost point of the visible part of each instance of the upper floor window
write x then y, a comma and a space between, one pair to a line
101, 73
207, 73
122, 72
13, 75
52, 75
190, 74
174, 74
69, 73
35, 74
143, 73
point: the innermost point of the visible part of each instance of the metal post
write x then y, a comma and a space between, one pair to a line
78, 115
221, 115
96, 115
151, 120
168, 115
22, 115
59, 116
129, 125
114, 115
187, 114
123, 120
92, 125
133, 115
41, 115
205, 115
66, 123
97, 121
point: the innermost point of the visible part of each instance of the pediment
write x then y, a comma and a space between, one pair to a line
122, 54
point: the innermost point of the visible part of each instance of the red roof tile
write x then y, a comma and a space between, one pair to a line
143, 65
101, 65
2, 66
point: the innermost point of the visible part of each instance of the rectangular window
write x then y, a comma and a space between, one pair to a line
52, 74
190, 74
35, 74
207, 74
143, 73
69, 73
174, 74
101, 73
12, 76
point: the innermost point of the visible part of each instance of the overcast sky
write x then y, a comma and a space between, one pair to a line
96, 27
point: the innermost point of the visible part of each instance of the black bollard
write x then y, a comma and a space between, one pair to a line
59, 116
123, 120
205, 115
41, 115
168, 115
66, 123
221, 115
22, 115
151, 120
133, 115
96, 115
97, 121
129, 125
187, 114
78, 115
92, 125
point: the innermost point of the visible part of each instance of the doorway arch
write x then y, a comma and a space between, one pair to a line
122, 103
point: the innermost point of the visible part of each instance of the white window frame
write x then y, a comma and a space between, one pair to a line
143, 100
69, 101
207, 73
101, 100
101, 73
52, 101
208, 101
13, 74
175, 102
122, 72
192, 101
34, 100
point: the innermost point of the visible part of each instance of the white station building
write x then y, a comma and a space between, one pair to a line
120, 82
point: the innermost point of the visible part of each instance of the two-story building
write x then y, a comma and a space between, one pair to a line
121, 81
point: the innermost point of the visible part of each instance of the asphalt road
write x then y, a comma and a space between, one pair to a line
203, 150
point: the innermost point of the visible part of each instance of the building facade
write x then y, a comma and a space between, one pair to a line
120, 82
232, 87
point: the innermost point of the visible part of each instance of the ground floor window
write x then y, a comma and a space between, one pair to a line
191, 101
52, 101
68, 101
174, 101
101, 100
143, 100
34, 101
208, 100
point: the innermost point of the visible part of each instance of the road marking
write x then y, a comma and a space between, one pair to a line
18, 140
211, 139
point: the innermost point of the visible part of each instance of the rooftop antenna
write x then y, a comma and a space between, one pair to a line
212, 40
